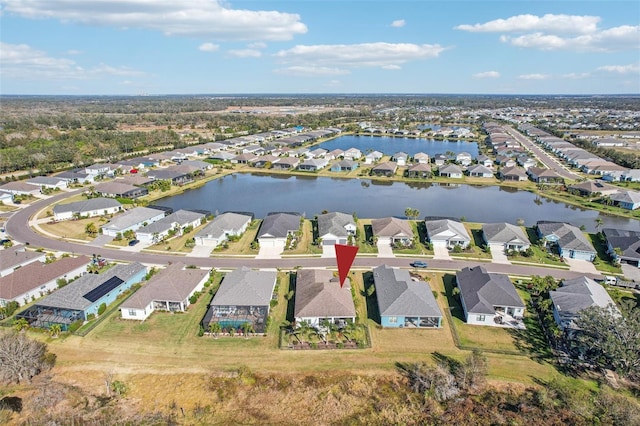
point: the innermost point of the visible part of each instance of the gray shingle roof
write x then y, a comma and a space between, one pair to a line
18, 255
391, 227
173, 284
569, 236
318, 294
279, 225
71, 296
87, 205
334, 223
245, 287
501, 233
223, 223
627, 241
132, 217
446, 229
578, 294
399, 295
481, 291
181, 217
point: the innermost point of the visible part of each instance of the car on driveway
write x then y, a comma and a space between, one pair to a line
133, 242
418, 264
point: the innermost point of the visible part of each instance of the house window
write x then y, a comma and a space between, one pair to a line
393, 320
132, 312
480, 318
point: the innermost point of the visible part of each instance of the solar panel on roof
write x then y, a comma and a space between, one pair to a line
103, 289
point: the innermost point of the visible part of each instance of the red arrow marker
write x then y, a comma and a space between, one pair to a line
345, 256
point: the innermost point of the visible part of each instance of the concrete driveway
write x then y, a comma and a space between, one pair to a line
328, 251
385, 250
271, 252
583, 266
201, 251
631, 272
497, 254
441, 252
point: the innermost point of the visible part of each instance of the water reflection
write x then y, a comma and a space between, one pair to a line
260, 194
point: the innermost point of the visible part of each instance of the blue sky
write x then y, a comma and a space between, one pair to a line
136, 47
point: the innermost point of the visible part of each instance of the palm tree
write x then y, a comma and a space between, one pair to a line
247, 328
21, 324
55, 330
215, 328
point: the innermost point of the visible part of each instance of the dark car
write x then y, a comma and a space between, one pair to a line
133, 242
419, 264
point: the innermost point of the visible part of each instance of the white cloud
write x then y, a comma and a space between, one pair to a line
359, 55
245, 53
487, 74
208, 47
560, 32
398, 23
257, 45
621, 69
391, 67
619, 38
576, 75
194, 18
533, 76
24, 62
571, 24
333, 83
310, 71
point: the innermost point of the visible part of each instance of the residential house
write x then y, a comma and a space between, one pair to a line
37, 279
632, 175
525, 162
277, 228
575, 296
403, 302
317, 153
6, 197
626, 199
485, 161
83, 297
570, 240
478, 170
387, 169
202, 166
489, 299
623, 245
464, 159
594, 188
99, 170
421, 158
313, 164
222, 227
541, 175
336, 153
18, 256
512, 174
392, 231
447, 233
244, 296
419, 171
74, 176
135, 180
48, 182
131, 220
344, 166
505, 236
450, 171
320, 298
352, 154
439, 159
264, 161
373, 157
168, 290
86, 208
336, 228
177, 177
20, 188
286, 163
401, 158
176, 222
119, 190
222, 156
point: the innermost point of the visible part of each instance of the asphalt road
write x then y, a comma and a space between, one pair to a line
17, 227
548, 160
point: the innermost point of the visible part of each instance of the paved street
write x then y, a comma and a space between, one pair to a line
17, 227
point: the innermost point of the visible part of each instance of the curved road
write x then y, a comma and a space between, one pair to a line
18, 228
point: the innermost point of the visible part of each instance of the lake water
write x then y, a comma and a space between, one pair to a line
261, 194
390, 146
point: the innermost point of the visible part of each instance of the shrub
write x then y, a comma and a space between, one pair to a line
102, 308
273, 303
194, 298
91, 317
74, 326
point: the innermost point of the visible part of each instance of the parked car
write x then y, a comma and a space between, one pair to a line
419, 264
133, 242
